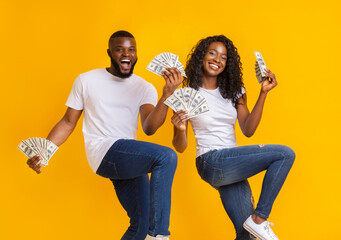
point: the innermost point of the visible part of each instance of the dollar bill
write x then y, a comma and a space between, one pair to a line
156, 68
199, 110
38, 146
260, 67
26, 150
175, 103
188, 99
163, 61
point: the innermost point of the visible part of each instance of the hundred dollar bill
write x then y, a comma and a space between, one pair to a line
38, 146
175, 103
258, 73
197, 100
187, 92
163, 61
201, 109
51, 149
156, 68
188, 99
26, 150
261, 63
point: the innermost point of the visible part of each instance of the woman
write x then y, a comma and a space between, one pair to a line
214, 69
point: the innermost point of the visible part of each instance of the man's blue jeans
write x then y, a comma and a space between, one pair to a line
228, 169
147, 202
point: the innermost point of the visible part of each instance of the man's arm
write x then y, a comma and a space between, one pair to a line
59, 133
153, 117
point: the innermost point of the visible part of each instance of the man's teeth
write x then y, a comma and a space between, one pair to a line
213, 65
125, 61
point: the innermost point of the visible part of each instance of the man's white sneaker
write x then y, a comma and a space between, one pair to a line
158, 237
261, 231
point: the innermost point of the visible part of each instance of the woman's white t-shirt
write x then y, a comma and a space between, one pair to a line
215, 129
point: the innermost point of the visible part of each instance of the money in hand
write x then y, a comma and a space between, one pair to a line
187, 99
163, 61
38, 146
260, 67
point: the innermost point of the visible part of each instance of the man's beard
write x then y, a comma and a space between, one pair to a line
118, 70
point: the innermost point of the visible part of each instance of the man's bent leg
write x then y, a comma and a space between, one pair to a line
133, 195
128, 159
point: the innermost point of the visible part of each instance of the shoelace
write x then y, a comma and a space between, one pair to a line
269, 230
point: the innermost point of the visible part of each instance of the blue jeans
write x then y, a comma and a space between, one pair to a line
228, 169
147, 202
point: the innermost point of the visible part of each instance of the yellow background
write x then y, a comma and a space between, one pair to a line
46, 44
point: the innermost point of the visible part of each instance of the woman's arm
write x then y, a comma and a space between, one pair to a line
180, 122
249, 122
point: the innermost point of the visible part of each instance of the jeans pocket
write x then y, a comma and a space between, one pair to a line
208, 173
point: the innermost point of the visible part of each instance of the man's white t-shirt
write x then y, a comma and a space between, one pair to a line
215, 129
111, 108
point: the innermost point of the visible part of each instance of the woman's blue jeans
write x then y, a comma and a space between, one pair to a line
228, 169
147, 202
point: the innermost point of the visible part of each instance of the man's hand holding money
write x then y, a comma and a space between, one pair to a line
33, 163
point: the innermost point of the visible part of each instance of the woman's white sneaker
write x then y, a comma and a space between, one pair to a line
261, 231
158, 237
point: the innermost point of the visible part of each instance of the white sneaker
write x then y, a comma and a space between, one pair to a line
158, 237
261, 231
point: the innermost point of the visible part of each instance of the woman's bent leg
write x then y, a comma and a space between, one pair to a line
231, 165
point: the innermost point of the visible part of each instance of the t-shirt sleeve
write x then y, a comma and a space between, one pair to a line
149, 96
76, 98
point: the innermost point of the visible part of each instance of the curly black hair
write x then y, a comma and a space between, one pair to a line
230, 81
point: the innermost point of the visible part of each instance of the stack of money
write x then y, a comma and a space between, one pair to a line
260, 67
163, 61
40, 146
188, 99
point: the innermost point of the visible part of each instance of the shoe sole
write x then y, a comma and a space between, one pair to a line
253, 232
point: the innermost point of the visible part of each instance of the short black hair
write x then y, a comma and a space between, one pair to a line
121, 33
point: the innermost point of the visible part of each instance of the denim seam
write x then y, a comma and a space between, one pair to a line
240, 155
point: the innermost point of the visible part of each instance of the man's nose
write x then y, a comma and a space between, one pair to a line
126, 53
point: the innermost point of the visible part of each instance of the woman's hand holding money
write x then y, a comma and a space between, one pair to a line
173, 79
270, 82
180, 119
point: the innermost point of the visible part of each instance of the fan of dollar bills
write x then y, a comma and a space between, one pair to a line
163, 61
260, 67
187, 99
40, 146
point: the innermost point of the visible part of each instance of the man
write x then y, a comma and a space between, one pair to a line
112, 99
